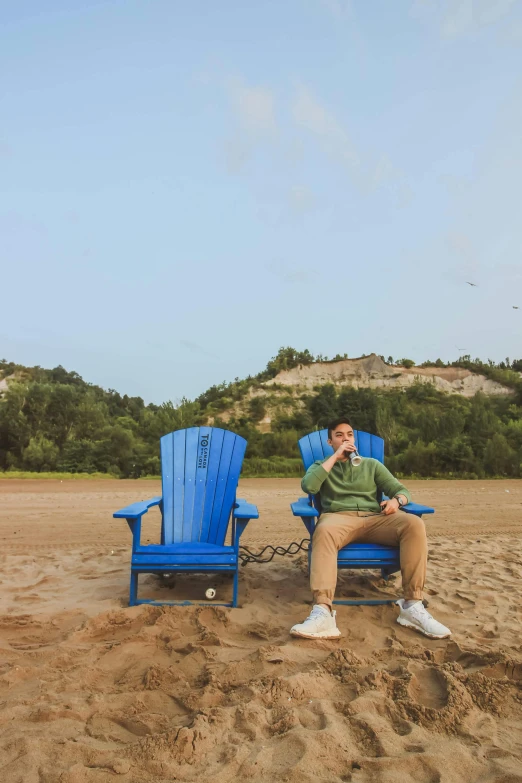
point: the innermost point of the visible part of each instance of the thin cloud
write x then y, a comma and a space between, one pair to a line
385, 174
255, 120
458, 18
195, 348
308, 113
492, 11
368, 174
256, 124
254, 108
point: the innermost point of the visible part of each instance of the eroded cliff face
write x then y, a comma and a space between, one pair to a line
372, 372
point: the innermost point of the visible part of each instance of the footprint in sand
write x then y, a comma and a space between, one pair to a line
263, 631
428, 687
480, 726
400, 726
489, 631
366, 738
286, 756
509, 669
312, 718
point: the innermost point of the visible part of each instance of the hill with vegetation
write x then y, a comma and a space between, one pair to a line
458, 419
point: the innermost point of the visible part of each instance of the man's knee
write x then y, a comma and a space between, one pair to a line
413, 525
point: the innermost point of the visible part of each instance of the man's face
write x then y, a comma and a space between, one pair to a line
343, 433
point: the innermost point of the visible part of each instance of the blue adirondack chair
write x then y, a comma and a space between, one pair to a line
200, 470
314, 447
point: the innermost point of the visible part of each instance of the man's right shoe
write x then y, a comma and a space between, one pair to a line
320, 624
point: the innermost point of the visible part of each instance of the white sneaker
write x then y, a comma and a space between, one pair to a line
417, 617
320, 624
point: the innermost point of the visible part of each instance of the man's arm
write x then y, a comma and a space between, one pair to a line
318, 472
389, 485
313, 479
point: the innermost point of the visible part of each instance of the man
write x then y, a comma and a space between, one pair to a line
350, 512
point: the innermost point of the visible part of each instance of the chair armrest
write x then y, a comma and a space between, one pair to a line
418, 509
136, 509
244, 510
414, 508
303, 508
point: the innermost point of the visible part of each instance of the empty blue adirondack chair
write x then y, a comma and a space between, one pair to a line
314, 447
200, 470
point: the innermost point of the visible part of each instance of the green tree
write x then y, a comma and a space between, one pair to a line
257, 409
79, 456
40, 455
420, 458
360, 406
386, 424
323, 407
92, 416
499, 458
286, 359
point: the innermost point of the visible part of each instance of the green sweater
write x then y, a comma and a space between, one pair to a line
346, 488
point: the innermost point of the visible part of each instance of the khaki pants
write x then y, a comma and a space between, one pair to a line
334, 531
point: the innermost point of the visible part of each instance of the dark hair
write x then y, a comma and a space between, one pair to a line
335, 423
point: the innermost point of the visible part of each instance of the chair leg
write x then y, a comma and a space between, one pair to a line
236, 585
133, 593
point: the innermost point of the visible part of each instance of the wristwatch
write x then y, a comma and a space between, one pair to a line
399, 501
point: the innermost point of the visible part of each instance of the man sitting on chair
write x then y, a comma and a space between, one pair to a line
350, 512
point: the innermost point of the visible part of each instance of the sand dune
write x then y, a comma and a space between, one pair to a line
91, 690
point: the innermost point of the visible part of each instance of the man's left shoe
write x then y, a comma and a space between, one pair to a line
421, 620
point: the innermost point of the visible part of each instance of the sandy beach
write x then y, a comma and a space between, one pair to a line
92, 690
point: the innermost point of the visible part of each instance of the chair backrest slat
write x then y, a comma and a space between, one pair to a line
307, 454
191, 454
215, 445
377, 448
200, 472
221, 486
167, 478
178, 485
232, 478
364, 444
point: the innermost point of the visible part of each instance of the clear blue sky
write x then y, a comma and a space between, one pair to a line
187, 186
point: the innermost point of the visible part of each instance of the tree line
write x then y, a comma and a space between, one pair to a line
53, 420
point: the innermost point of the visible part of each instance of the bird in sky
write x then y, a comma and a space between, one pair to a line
515, 307
473, 284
